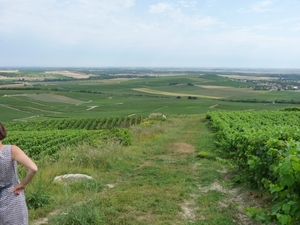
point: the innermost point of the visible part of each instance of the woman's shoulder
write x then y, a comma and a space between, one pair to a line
15, 150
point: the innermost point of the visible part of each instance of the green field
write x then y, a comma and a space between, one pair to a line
182, 94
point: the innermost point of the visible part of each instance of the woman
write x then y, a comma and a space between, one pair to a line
13, 209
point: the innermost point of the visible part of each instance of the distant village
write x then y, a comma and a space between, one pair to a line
274, 85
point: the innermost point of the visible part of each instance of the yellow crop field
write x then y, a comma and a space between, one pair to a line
151, 91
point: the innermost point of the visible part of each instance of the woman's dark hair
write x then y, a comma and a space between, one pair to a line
2, 132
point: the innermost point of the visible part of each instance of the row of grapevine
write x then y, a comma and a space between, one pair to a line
266, 149
75, 123
40, 143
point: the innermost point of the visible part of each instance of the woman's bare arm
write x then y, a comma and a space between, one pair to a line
22, 158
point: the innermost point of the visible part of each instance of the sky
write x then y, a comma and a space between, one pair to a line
150, 33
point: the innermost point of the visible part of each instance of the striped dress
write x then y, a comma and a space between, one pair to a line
13, 209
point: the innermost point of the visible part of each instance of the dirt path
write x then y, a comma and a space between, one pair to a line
213, 106
210, 177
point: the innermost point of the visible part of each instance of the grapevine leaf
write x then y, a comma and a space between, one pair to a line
284, 219
275, 209
287, 179
296, 166
286, 167
251, 163
286, 208
275, 188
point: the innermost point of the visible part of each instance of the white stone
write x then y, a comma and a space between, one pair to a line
70, 177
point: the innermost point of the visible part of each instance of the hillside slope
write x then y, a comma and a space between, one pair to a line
159, 179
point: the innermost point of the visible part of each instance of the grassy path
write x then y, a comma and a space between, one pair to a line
157, 180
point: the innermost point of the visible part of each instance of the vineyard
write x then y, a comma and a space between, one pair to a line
265, 147
97, 123
46, 137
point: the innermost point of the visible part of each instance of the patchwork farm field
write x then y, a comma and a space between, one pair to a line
121, 96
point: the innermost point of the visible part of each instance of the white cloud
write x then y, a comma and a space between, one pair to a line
187, 4
173, 16
211, 3
258, 7
128, 3
261, 6
161, 8
65, 21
